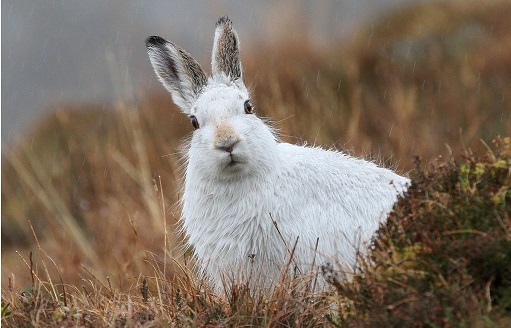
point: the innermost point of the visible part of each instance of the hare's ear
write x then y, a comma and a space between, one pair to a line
226, 52
177, 70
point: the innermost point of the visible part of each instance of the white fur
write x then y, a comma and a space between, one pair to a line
229, 212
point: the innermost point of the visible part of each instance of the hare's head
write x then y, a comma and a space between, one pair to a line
229, 139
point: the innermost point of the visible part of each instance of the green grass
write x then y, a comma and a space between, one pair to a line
88, 196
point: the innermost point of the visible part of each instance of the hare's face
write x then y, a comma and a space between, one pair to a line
229, 140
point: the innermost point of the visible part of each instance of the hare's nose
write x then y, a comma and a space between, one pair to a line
226, 138
229, 148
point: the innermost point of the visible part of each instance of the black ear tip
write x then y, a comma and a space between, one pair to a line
223, 20
153, 41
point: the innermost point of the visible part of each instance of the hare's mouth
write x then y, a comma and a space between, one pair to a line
234, 161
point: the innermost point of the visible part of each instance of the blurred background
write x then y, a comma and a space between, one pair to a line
56, 52
91, 159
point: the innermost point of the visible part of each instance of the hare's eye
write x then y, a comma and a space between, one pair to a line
249, 109
194, 121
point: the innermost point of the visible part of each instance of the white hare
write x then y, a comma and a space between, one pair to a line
250, 200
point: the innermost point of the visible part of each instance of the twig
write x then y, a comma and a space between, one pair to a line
313, 265
94, 276
55, 294
32, 272
144, 290
164, 228
291, 252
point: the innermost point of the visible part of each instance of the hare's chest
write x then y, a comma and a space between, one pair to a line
233, 220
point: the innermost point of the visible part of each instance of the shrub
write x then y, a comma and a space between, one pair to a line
444, 256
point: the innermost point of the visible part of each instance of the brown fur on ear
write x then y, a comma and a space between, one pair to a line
226, 53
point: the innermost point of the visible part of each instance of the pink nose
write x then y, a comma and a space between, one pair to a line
229, 149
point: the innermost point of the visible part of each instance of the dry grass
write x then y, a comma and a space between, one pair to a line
157, 301
90, 193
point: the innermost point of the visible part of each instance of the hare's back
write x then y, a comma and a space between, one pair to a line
328, 171
332, 196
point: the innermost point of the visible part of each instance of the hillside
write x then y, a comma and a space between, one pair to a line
88, 196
